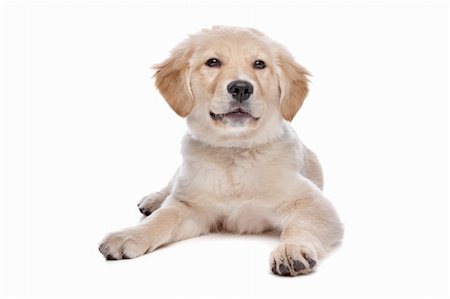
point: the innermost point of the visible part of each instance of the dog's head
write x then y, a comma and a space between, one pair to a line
234, 85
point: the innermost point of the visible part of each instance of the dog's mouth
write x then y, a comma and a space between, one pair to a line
235, 115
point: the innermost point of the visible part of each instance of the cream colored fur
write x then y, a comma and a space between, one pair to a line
245, 177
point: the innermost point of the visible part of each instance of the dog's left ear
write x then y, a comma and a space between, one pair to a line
172, 79
293, 85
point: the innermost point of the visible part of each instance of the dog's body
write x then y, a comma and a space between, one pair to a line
244, 169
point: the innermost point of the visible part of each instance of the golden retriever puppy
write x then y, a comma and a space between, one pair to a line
244, 169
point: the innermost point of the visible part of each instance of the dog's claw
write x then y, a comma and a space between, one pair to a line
311, 262
298, 266
274, 268
284, 270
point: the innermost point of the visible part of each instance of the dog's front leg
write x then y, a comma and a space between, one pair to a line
168, 224
310, 228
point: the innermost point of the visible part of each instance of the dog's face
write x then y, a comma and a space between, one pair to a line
234, 85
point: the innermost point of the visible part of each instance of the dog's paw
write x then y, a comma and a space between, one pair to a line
125, 244
292, 260
151, 203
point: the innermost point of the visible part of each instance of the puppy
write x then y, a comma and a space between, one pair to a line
244, 169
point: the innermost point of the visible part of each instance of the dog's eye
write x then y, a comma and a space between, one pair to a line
213, 62
259, 64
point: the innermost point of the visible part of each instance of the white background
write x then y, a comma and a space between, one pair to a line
85, 135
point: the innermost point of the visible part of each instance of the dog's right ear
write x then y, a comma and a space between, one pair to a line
172, 79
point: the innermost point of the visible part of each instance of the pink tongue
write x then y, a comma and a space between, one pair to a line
237, 114
238, 111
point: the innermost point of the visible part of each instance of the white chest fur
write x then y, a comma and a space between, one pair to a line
240, 185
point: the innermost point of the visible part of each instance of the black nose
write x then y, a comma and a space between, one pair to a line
240, 90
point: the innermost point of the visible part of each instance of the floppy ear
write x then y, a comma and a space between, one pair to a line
293, 85
172, 80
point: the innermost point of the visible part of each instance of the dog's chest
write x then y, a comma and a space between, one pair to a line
240, 185
228, 175
235, 173
243, 187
